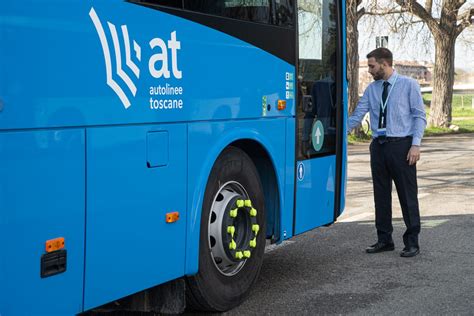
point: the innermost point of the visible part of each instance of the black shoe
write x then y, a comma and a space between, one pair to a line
379, 247
409, 252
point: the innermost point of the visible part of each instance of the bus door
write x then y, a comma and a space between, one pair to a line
319, 114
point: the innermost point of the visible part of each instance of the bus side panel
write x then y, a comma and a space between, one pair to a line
287, 217
135, 176
42, 192
206, 142
72, 78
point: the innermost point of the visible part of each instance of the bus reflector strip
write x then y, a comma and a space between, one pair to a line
55, 244
281, 105
172, 217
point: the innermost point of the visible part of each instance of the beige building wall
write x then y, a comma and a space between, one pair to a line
422, 72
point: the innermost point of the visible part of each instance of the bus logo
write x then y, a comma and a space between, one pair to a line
118, 58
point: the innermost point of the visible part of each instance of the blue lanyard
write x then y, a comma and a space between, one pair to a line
384, 105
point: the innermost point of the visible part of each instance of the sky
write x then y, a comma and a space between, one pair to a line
417, 45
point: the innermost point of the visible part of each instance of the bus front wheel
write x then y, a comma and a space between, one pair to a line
232, 237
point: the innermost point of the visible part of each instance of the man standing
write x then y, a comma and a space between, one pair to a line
397, 120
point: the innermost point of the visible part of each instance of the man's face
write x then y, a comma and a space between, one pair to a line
375, 69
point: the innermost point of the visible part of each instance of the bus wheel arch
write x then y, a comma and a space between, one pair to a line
232, 234
268, 176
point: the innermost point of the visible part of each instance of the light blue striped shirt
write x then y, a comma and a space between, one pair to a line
405, 109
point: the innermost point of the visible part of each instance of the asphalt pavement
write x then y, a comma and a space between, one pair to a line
326, 271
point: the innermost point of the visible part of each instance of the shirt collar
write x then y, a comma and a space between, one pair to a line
392, 78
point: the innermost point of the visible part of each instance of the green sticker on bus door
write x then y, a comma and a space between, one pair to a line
264, 105
317, 135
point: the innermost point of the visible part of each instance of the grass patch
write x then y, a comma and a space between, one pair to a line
462, 104
433, 131
465, 124
462, 112
436, 131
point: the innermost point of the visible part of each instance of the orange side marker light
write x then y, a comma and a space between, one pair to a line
172, 217
281, 105
55, 244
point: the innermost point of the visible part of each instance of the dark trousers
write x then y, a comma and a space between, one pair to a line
388, 162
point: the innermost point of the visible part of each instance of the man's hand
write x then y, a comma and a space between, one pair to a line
413, 155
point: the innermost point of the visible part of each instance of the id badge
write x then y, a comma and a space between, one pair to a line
382, 132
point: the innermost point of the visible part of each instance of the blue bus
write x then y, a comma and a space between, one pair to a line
153, 143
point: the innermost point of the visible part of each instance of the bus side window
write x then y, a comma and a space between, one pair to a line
248, 10
167, 3
259, 14
214, 7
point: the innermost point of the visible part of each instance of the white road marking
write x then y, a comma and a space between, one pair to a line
356, 218
430, 223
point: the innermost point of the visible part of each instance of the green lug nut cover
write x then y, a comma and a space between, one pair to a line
232, 245
231, 230
239, 255
248, 203
240, 203
247, 253
253, 243
253, 212
233, 213
255, 228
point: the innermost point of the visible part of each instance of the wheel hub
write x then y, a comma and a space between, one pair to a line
233, 228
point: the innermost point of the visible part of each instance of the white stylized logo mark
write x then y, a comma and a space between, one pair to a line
118, 58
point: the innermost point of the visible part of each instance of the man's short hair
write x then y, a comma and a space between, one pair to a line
381, 54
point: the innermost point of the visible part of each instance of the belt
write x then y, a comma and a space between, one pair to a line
389, 139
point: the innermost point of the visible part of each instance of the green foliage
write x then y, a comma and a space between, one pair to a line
353, 139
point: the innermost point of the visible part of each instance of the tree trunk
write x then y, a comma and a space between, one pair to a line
352, 54
353, 16
441, 102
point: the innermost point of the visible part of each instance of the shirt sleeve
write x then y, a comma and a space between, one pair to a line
417, 109
360, 111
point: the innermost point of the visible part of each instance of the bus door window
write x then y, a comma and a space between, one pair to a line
317, 103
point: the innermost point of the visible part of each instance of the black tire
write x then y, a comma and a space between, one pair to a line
210, 289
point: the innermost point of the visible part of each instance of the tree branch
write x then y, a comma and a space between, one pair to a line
416, 8
465, 20
360, 14
380, 13
429, 6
